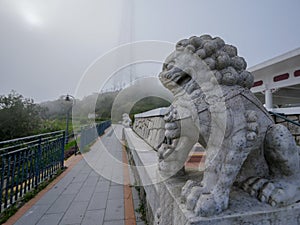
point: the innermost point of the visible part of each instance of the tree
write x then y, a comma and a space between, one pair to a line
19, 116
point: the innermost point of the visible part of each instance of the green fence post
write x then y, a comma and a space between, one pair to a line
63, 150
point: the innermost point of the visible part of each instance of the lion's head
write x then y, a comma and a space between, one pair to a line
204, 59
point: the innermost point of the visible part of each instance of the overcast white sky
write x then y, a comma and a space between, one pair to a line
46, 45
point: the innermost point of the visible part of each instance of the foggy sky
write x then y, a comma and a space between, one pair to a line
45, 46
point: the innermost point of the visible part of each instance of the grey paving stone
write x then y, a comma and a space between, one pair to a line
81, 177
33, 215
140, 223
98, 201
86, 169
131, 175
81, 197
117, 155
135, 193
91, 181
115, 184
73, 188
84, 194
50, 219
70, 224
61, 204
114, 222
58, 189
78, 167
63, 183
102, 186
80, 164
69, 177
94, 174
49, 198
118, 175
116, 192
75, 213
94, 217
114, 210
103, 179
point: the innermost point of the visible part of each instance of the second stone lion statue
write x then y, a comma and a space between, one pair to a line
214, 106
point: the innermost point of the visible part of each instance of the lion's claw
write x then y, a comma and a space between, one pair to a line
193, 197
207, 205
186, 190
275, 193
200, 200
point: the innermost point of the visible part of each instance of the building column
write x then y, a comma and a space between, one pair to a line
268, 99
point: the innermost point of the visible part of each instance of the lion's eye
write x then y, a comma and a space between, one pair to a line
164, 66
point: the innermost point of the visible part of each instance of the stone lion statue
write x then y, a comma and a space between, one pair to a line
126, 121
214, 106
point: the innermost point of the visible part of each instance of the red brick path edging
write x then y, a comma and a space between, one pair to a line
128, 200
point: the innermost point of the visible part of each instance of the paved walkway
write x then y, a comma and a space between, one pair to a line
84, 197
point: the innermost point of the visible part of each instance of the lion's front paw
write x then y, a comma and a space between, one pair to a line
279, 193
186, 189
190, 193
276, 193
208, 205
203, 202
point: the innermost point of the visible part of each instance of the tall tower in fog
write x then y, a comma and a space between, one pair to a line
126, 36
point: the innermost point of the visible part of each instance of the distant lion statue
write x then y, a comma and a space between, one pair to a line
126, 121
214, 106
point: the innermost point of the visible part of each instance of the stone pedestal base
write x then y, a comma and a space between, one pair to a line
243, 209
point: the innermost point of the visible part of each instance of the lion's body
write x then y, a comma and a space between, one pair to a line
214, 106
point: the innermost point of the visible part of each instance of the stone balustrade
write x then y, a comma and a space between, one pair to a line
150, 126
162, 202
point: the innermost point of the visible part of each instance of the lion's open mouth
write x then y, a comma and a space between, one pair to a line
175, 79
184, 79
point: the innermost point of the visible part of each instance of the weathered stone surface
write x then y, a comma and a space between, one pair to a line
243, 209
143, 160
164, 198
214, 106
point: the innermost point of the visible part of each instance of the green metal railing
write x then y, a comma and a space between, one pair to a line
289, 123
89, 134
282, 116
26, 162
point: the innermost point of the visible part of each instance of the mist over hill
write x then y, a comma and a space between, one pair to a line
142, 96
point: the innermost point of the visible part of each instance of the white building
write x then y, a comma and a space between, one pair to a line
277, 83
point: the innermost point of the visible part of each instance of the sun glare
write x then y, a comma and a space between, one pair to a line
30, 13
32, 18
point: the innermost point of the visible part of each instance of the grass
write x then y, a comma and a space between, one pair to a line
87, 148
71, 144
141, 208
71, 148
4, 216
8, 213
